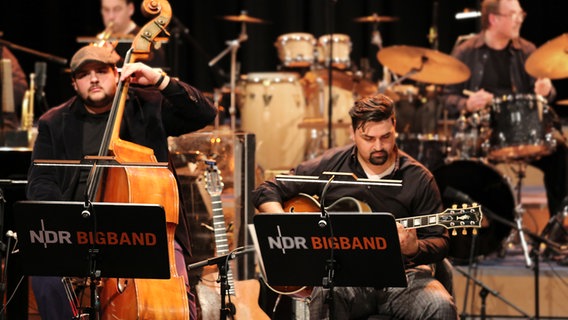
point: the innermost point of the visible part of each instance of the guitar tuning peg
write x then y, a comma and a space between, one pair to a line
454, 206
464, 232
454, 232
474, 231
464, 205
475, 204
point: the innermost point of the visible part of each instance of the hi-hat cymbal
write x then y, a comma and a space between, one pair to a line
430, 66
550, 59
243, 17
375, 18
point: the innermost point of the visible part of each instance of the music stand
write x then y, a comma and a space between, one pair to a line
295, 251
56, 238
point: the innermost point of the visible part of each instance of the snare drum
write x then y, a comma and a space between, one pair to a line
272, 108
340, 47
521, 127
296, 49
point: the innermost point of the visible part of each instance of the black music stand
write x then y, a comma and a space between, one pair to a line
123, 240
293, 251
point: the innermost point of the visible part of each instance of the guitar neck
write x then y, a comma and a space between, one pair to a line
419, 221
221, 242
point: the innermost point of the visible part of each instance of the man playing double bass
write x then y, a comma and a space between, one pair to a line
157, 106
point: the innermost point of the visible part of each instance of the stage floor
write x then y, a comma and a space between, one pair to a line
510, 288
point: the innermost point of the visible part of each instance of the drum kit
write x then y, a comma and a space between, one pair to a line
514, 130
287, 110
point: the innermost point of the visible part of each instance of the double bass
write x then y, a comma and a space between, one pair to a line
139, 298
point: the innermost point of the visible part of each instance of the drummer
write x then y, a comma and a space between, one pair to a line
496, 58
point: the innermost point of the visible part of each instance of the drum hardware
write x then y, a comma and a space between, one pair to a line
433, 31
470, 138
549, 60
423, 65
233, 47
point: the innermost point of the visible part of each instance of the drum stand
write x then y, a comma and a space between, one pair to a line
232, 47
519, 212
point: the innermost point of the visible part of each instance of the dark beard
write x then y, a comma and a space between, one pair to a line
378, 158
97, 104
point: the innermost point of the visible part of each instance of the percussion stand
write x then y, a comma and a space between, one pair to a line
519, 211
232, 47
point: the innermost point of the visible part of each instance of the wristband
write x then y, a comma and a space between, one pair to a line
159, 82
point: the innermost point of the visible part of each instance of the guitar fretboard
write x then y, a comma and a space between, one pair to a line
419, 222
221, 242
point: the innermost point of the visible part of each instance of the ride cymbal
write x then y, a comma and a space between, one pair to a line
243, 17
375, 18
427, 65
550, 59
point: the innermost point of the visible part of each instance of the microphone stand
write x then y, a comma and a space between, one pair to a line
328, 282
485, 291
330, 16
222, 262
182, 31
451, 192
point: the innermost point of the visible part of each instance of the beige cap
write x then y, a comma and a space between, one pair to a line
93, 53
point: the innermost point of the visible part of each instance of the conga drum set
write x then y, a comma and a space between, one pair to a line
288, 109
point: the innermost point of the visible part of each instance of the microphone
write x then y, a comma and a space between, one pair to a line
40, 75
40, 79
450, 192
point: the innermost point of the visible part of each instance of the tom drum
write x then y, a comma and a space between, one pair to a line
296, 49
336, 48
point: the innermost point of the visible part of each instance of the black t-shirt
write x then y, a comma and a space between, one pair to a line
497, 76
93, 130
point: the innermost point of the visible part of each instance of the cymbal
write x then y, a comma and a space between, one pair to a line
562, 102
375, 18
432, 66
549, 60
243, 17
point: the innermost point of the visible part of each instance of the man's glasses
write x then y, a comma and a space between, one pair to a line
514, 15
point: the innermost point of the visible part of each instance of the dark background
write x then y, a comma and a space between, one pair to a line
53, 26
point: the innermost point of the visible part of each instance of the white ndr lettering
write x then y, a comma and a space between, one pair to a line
287, 243
46, 236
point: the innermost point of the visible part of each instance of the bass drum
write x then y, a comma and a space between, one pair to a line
489, 188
